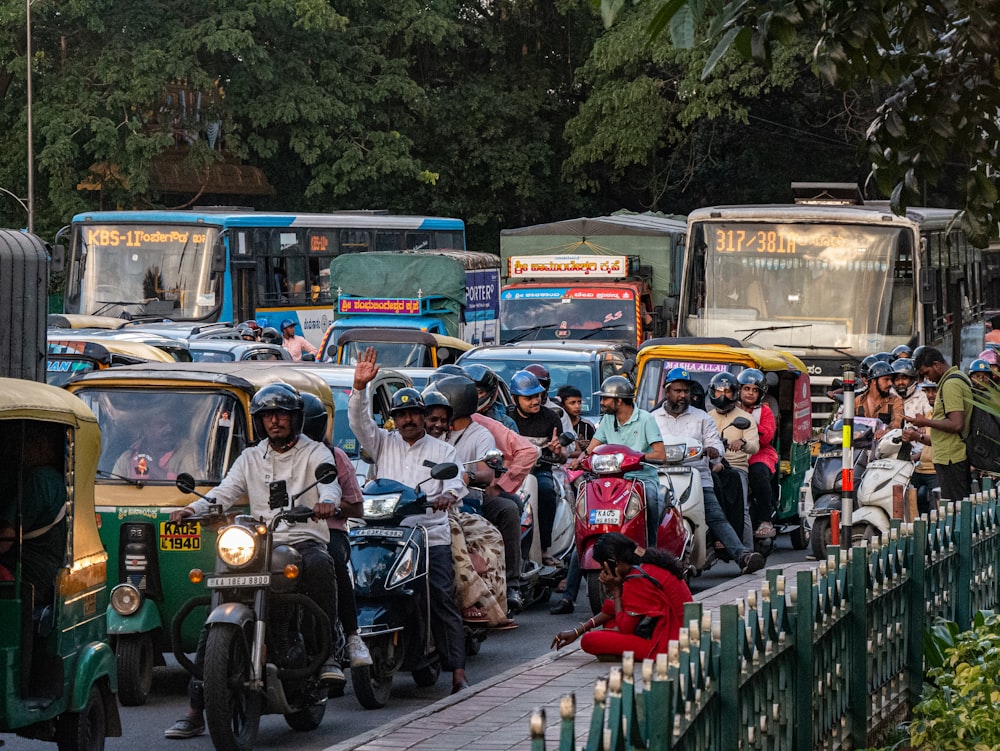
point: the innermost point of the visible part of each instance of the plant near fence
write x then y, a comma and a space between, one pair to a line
833, 662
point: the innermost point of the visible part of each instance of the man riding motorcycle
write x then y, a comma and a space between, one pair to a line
268, 475
488, 389
406, 455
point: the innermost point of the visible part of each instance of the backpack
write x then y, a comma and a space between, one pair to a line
982, 435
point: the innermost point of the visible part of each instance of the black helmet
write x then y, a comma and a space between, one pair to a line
864, 369
270, 335
443, 371
404, 399
753, 377
901, 351
246, 332
487, 381
617, 387
904, 367
541, 373
879, 369
434, 398
461, 395
276, 396
314, 417
885, 357
723, 382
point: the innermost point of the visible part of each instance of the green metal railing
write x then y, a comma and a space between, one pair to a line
835, 662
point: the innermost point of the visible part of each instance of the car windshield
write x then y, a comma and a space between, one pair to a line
579, 374
211, 355
151, 436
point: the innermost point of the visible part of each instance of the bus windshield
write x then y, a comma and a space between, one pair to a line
845, 286
567, 314
159, 269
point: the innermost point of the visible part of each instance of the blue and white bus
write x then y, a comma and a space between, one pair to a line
221, 264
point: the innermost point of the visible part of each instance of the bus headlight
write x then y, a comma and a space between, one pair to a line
125, 599
236, 546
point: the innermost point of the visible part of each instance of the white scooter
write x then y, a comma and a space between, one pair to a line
683, 487
892, 466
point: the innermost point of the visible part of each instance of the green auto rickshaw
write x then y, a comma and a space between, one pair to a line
157, 421
57, 670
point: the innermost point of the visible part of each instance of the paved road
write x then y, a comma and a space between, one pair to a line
345, 718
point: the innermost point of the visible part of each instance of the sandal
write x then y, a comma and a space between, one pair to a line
764, 531
474, 614
507, 625
719, 545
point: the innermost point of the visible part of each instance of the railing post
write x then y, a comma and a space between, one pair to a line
858, 699
567, 727
660, 707
963, 587
805, 678
729, 678
595, 736
537, 726
917, 609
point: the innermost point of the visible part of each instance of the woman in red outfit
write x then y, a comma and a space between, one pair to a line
646, 606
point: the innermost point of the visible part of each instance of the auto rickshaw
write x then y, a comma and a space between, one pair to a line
397, 347
788, 382
71, 357
158, 421
57, 670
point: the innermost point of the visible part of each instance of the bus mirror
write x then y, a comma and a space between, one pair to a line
57, 261
219, 258
628, 366
927, 293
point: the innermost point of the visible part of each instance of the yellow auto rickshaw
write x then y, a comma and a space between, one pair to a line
70, 357
158, 421
788, 384
57, 670
397, 348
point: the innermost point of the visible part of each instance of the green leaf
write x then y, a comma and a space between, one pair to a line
720, 50
664, 16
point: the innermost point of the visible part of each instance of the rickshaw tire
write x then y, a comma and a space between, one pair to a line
83, 730
800, 536
134, 654
595, 591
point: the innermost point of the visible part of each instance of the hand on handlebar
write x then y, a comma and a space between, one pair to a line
181, 514
325, 510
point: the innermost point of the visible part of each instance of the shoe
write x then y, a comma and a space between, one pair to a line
751, 562
563, 607
515, 603
358, 653
186, 727
331, 673
462, 685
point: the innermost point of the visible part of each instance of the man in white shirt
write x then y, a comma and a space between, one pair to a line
407, 455
676, 416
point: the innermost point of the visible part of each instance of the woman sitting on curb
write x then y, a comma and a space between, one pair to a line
645, 609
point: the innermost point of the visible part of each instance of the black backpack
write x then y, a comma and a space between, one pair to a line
982, 436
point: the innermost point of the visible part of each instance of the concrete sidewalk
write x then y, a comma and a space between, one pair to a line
494, 715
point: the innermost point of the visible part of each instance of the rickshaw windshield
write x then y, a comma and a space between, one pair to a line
390, 354
150, 436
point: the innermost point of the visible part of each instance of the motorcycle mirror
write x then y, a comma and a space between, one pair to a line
741, 423
185, 483
566, 438
325, 474
444, 471
493, 456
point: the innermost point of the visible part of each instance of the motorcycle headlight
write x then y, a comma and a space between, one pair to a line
236, 546
380, 507
603, 464
675, 453
404, 568
633, 506
125, 599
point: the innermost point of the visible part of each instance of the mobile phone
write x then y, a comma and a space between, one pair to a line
277, 494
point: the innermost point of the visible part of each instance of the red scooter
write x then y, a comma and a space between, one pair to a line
607, 501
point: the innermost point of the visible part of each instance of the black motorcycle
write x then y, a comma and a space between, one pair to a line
266, 642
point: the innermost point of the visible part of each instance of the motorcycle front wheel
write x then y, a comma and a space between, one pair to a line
308, 718
595, 591
820, 537
232, 709
372, 686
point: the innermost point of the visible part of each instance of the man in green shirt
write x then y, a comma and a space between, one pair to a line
948, 422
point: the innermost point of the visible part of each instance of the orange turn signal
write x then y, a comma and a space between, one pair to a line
291, 571
196, 575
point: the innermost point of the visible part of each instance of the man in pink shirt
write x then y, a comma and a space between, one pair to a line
295, 344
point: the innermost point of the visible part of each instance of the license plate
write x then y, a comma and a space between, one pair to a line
181, 536
243, 580
831, 455
605, 516
376, 532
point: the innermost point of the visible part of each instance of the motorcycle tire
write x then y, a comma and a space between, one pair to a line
308, 718
427, 675
820, 537
862, 533
371, 686
473, 644
232, 710
84, 730
595, 592
134, 655
800, 536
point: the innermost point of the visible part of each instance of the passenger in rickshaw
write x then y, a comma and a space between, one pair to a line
41, 486
158, 451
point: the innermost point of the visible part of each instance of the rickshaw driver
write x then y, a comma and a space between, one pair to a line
289, 458
155, 454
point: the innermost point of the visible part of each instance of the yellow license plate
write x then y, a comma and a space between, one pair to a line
180, 536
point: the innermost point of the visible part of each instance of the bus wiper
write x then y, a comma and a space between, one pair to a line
105, 304
769, 328
838, 350
603, 328
533, 330
129, 480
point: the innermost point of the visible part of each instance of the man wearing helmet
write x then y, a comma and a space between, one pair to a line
294, 343
267, 475
406, 456
488, 388
676, 416
740, 443
904, 382
879, 400
542, 426
542, 374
